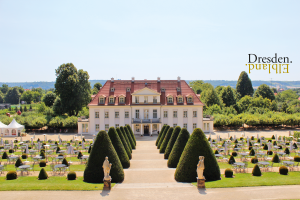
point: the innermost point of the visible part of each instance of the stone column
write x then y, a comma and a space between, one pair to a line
133, 129
150, 129
159, 127
142, 129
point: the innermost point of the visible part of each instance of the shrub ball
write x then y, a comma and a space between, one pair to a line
283, 170
256, 171
228, 173
11, 175
71, 176
43, 163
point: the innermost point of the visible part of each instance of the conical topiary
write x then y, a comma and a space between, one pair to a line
126, 138
43, 174
129, 137
231, 160
252, 152
79, 155
287, 151
196, 146
276, 159
116, 141
90, 148
18, 162
123, 140
256, 171
4, 155
43, 154
65, 162
102, 148
265, 147
161, 139
178, 147
165, 142
131, 133
160, 133
172, 141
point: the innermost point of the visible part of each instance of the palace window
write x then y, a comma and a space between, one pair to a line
185, 125
174, 125
137, 114
190, 99
185, 114
175, 114
180, 100
170, 99
165, 114
126, 114
146, 114
97, 127
106, 115
194, 113
96, 114
116, 114
101, 100
111, 100
145, 99
154, 114
137, 128
106, 127
154, 127
194, 125
117, 126
137, 100
154, 99
122, 100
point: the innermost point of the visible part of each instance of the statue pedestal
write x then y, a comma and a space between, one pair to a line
201, 183
107, 184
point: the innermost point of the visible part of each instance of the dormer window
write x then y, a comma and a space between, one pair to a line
170, 99
112, 89
190, 99
101, 100
128, 89
111, 99
180, 99
163, 89
178, 89
122, 100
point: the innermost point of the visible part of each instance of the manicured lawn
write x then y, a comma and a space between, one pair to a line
247, 180
52, 183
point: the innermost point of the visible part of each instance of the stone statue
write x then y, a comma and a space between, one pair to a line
106, 169
200, 167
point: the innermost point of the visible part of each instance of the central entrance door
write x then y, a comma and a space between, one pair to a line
146, 130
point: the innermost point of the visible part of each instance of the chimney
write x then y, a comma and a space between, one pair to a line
132, 79
178, 78
112, 80
158, 79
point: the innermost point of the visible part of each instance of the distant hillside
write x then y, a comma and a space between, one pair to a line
215, 83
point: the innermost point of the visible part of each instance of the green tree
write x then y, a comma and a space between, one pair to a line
131, 133
178, 148
196, 85
97, 86
4, 88
159, 135
123, 140
274, 106
117, 143
165, 142
72, 87
264, 91
161, 139
49, 98
31, 96
1, 97
284, 107
228, 97
196, 146
244, 85
172, 141
126, 138
58, 108
102, 148
12, 96
219, 89
131, 140
210, 97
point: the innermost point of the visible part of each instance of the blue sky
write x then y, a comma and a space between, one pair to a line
193, 39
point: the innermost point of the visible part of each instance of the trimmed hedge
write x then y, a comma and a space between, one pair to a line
123, 140
103, 147
234, 154
178, 148
172, 141
43, 174
231, 160
228, 173
71, 176
24, 156
161, 139
283, 170
79, 155
4, 155
132, 143
270, 153
11, 151
160, 133
116, 141
216, 152
297, 158
165, 142
131, 133
43, 163
65, 162
11, 175
18, 162
287, 151
90, 148
196, 146
252, 152
126, 138
265, 147
256, 171
254, 160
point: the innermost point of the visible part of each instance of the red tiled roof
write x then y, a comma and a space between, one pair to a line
170, 87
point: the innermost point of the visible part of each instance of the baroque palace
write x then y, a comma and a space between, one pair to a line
145, 105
